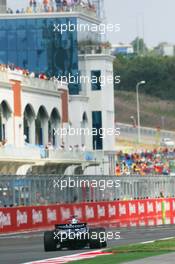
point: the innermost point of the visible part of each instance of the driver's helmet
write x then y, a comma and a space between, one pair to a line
74, 221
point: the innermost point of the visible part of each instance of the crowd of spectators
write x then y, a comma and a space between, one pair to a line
37, 6
63, 147
145, 162
27, 73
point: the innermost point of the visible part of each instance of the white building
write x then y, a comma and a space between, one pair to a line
32, 109
165, 49
37, 112
122, 48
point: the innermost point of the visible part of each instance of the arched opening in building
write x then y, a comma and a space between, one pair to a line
5, 115
53, 125
97, 139
84, 126
41, 126
29, 124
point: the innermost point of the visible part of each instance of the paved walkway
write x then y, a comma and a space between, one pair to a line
162, 259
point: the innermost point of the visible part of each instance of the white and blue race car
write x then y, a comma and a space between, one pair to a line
74, 236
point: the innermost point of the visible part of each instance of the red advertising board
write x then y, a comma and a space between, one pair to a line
118, 213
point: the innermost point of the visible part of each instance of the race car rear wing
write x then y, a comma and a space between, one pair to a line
70, 226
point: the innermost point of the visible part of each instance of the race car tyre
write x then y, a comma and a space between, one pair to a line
104, 244
94, 240
49, 242
103, 231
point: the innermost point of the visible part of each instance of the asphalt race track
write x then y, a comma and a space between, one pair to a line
23, 248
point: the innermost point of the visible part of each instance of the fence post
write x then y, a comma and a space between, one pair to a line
164, 212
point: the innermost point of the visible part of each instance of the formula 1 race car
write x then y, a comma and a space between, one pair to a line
74, 236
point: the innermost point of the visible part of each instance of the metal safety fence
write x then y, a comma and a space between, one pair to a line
55, 189
148, 135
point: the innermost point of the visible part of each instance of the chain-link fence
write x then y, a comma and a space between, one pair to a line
41, 190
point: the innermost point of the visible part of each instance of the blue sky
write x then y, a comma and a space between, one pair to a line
153, 19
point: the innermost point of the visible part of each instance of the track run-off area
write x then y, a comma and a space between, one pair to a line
27, 247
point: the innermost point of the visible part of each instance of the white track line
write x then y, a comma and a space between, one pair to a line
69, 258
31, 231
21, 236
158, 239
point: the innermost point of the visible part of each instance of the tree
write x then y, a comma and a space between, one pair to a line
157, 71
139, 46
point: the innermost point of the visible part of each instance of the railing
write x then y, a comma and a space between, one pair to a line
66, 155
75, 155
43, 84
84, 10
145, 131
49, 189
12, 152
150, 135
67, 9
88, 49
39, 83
39, 152
6, 76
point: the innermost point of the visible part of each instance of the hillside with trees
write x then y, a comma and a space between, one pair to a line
157, 71
157, 96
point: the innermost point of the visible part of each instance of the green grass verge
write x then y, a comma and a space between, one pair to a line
131, 252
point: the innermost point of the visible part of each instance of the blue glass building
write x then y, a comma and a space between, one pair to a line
29, 41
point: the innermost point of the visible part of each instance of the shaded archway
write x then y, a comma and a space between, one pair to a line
5, 121
84, 127
29, 124
41, 126
53, 124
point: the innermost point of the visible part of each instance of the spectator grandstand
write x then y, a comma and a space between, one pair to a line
144, 162
56, 6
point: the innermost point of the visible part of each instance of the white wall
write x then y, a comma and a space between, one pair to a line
36, 93
77, 106
102, 100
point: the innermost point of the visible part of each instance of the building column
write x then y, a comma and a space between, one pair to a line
65, 115
45, 131
32, 131
17, 114
9, 129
